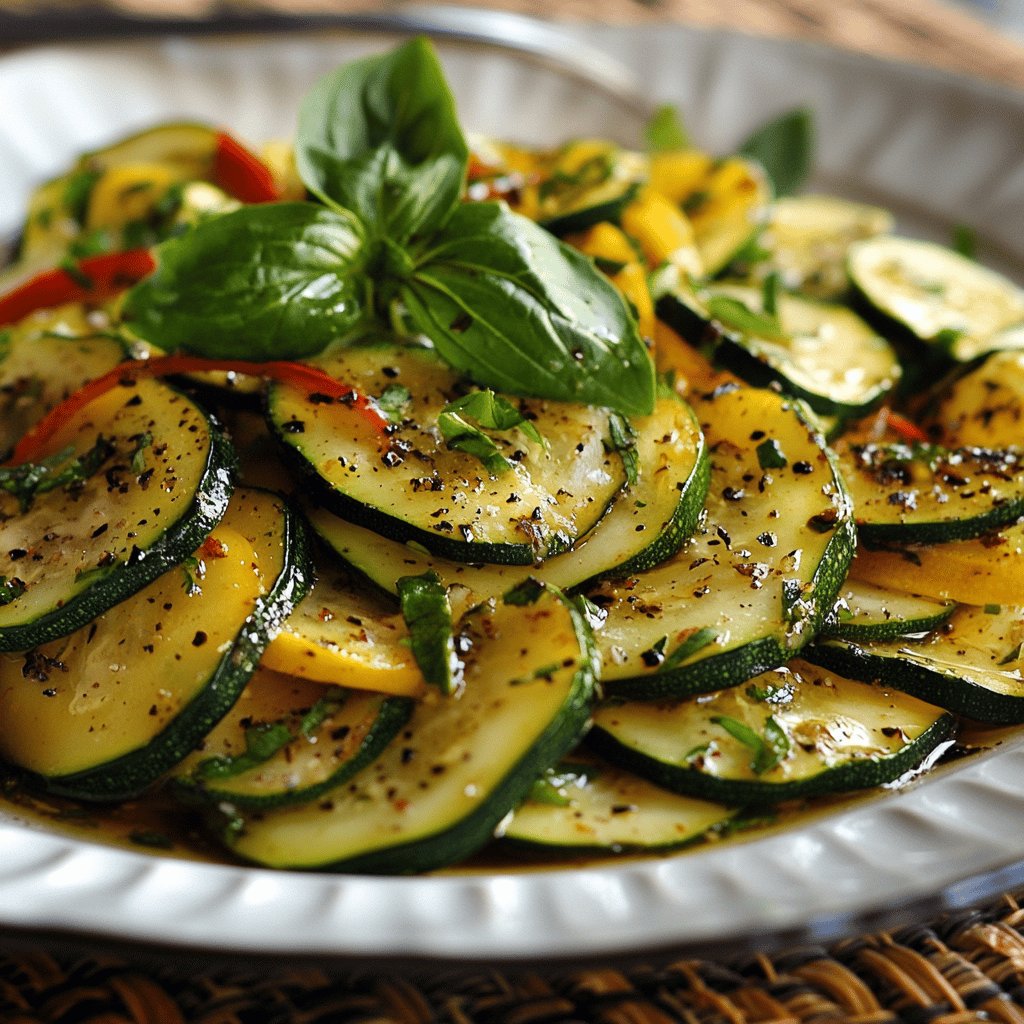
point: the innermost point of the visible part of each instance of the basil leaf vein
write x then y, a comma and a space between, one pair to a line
262, 282
505, 302
380, 137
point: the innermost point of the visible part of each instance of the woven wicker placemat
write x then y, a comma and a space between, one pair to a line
963, 967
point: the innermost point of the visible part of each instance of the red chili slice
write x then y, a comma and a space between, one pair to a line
94, 279
300, 375
241, 173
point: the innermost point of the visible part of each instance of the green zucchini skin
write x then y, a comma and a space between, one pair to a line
387, 821
930, 296
550, 497
585, 195
685, 747
308, 765
137, 568
44, 359
867, 612
764, 361
806, 238
923, 494
648, 523
736, 583
958, 666
586, 807
283, 546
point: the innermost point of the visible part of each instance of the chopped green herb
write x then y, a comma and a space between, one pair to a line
770, 294
155, 840
666, 131
262, 742
965, 241
138, 458
193, 570
770, 455
428, 617
768, 751
70, 267
393, 400
740, 317
11, 589
527, 592
784, 148
622, 439
993, 609
1014, 655
63, 469
91, 243
689, 647
78, 191
772, 694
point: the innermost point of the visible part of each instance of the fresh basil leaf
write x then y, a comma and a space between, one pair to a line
428, 616
510, 306
494, 412
665, 131
380, 137
461, 435
263, 282
784, 147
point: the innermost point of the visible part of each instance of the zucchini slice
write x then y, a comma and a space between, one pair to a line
647, 524
794, 732
441, 788
583, 183
933, 294
818, 351
45, 358
416, 488
806, 239
347, 636
984, 406
115, 193
754, 584
867, 612
162, 484
99, 715
727, 209
288, 740
984, 570
588, 806
907, 494
973, 664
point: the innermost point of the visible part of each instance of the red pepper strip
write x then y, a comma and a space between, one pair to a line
96, 279
906, 429
241, 173
299, 375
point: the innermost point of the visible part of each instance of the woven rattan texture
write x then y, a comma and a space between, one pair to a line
960, 968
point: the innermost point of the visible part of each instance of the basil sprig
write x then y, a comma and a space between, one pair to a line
380, 146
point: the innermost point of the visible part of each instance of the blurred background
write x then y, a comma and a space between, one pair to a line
979, 37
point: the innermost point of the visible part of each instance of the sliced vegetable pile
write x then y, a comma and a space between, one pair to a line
388, 497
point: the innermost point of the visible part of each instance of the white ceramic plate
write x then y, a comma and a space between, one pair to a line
939, 150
